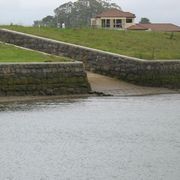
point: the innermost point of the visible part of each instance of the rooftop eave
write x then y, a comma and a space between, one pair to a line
115, 17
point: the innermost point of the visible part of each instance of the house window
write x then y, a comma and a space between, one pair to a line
105, 23
129, 20
117, 23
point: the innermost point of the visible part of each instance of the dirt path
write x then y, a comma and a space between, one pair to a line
116, 87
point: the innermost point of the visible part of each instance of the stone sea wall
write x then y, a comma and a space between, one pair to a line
43, 79
145, 72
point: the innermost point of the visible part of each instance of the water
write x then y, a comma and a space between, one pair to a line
120, 138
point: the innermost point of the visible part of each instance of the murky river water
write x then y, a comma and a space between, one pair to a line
119, 138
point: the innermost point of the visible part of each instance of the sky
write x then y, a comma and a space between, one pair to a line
24, 12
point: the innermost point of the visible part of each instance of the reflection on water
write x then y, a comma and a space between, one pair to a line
128, 138
35, 105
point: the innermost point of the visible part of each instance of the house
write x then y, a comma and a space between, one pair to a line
165, 27
113, 19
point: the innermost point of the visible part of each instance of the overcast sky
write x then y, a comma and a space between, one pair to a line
24, 12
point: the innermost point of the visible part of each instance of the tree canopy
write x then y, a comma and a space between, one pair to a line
144, 20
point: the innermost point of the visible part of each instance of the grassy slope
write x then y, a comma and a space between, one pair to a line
146, 45
10, 53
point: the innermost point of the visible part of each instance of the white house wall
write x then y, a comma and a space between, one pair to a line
98, 22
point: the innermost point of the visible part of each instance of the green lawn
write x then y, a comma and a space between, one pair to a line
9, 53
140, 44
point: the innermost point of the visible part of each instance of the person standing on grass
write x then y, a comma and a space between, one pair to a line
63, 25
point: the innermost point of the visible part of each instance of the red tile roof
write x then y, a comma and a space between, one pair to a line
115, 13
166, 27
137, 27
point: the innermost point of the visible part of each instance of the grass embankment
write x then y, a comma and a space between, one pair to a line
140, 44
10, 53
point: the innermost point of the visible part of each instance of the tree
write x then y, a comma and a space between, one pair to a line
76, 14
79, 13
144, 20
48, 21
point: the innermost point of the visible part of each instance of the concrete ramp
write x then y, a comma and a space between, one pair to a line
116, 87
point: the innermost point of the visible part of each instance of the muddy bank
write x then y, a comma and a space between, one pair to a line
116, 87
